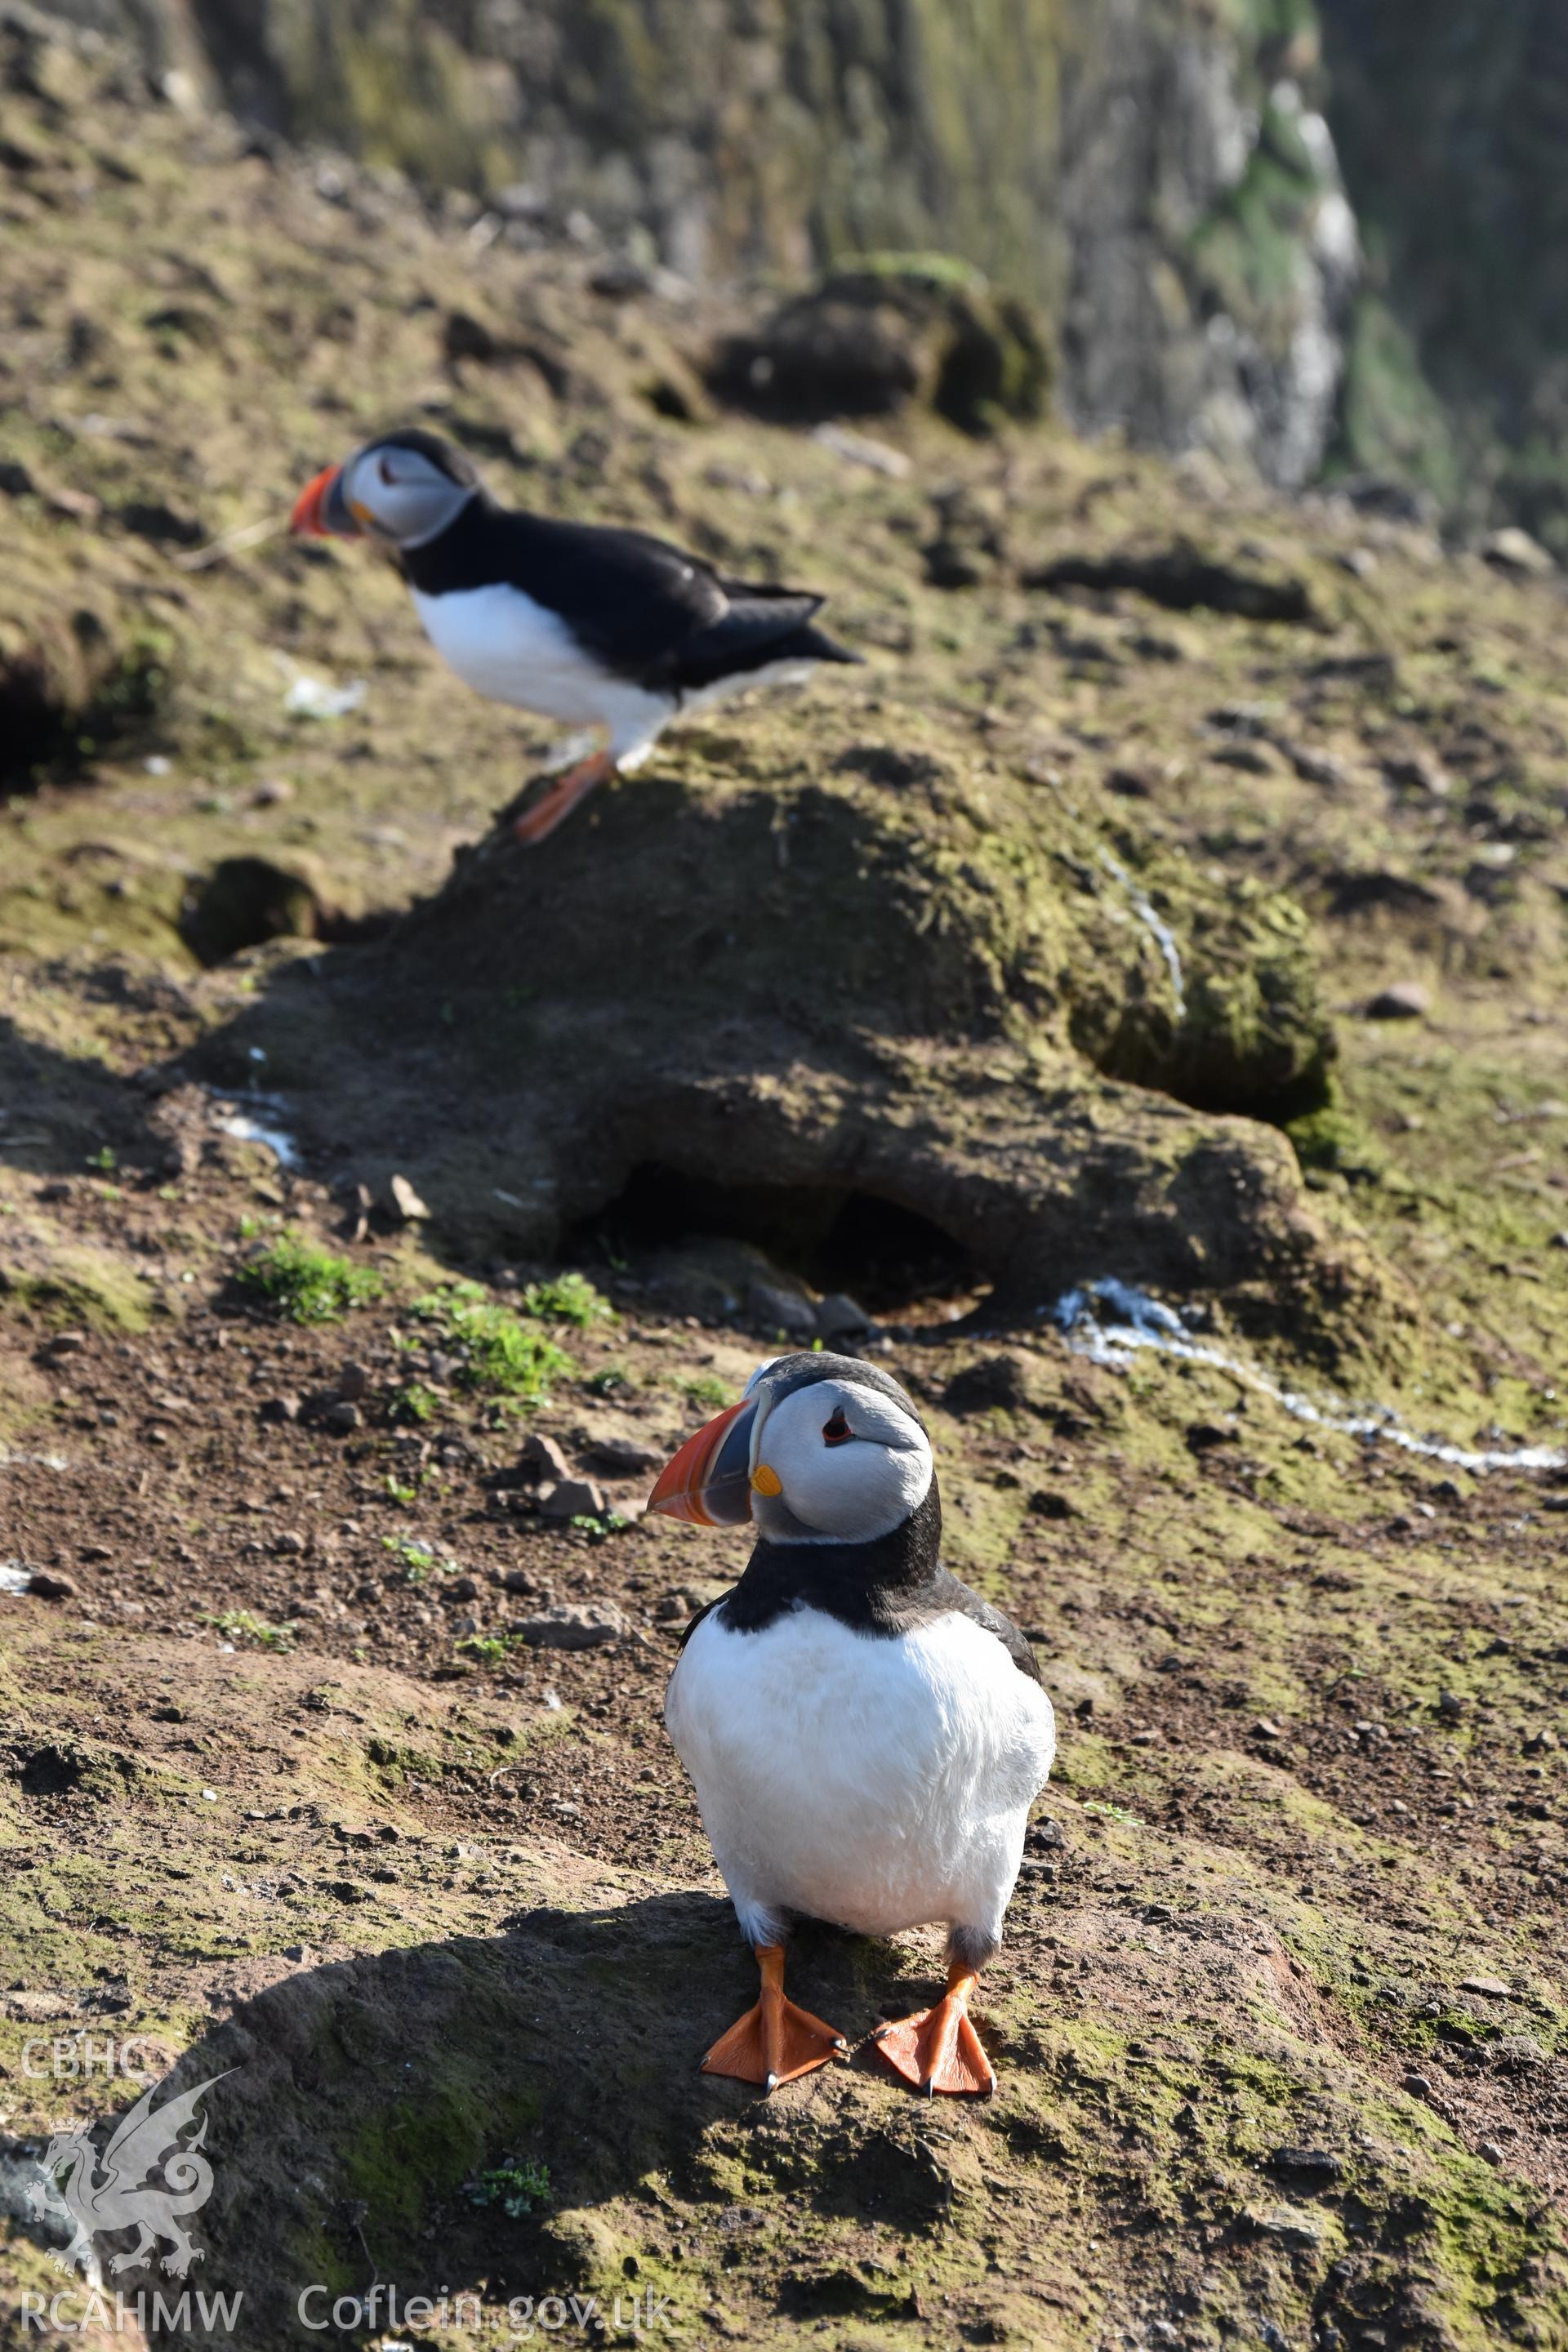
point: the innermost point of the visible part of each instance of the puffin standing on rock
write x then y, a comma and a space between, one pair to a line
590, 625
865, 1735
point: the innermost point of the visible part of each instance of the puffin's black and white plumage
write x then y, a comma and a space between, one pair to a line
587, 625
865, 1734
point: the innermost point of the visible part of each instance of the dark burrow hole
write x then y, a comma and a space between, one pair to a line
832, 1236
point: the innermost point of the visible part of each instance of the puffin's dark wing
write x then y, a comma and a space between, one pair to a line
630, 600
755, 630
959, 1596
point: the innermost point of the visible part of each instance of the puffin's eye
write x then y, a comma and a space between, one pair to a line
836, 1431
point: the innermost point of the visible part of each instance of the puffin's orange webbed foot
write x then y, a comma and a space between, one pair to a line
556, 806
774, 2042
938, 2049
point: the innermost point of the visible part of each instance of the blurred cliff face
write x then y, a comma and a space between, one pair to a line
1161, 175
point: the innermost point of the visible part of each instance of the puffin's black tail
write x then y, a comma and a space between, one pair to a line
814, 645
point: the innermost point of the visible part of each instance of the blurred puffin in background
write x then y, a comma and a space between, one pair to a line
591, 626
865, 1735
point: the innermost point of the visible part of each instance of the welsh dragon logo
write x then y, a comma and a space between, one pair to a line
119, 2190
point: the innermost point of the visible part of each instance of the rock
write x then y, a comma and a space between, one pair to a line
406, 1202
572, 1626
1451, 1705
860, 449
573, 1498
840, 1317
1559, 1241
1404, 1000
63, 1344
50, 1586
343, 1417
1314, 2163
1489, 2152
1045, 1503
789, 1311
458, 1588
868, 342
1418, 2086
1513, 551
278, 1409
541, 1457
1493, 1988
623, 1457
290, 1541
1264, 1730
1517, 2054
1292, 2224
1538, 1742
353, 1382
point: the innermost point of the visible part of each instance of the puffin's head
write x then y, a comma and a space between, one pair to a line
820, 1449
402, 489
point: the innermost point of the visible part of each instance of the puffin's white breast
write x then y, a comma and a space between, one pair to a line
505, 645
878, 1781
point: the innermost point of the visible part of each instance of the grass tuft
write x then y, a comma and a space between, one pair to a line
305, 1283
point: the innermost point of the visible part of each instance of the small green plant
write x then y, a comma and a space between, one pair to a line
1114, 1813
415, 1402
596, 1529
306, 1283
241, 1625
488, 1649
103, 1158
516, 2189
496, 1352
705, 1391
419, 1560
567, 1298
608, 1380
396, 1492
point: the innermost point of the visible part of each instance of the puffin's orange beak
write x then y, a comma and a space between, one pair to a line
306, 520
708, 1481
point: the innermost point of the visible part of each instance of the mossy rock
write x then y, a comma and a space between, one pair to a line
868, 340
911, 976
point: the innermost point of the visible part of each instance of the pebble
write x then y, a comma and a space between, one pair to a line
1489, 2152
1404, 1000
279, 1409
542, 1458
571, 1627
290, 1540
628, 1456
406, 1202
1418, 2086
1265, 1729
1513, 550
343, 1417
353, 1382
50, 1587
1493, 1987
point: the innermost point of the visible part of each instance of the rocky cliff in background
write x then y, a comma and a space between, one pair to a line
1160, 176
1147, 171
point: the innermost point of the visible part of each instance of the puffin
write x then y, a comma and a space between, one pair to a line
579, 621
865, 1734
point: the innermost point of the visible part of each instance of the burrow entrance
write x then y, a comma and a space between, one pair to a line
832, 1236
